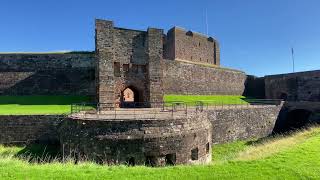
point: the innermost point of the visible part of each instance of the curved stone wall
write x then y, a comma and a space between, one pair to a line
138, 142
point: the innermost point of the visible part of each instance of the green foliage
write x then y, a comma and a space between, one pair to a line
207, 99
296, 157
35, 105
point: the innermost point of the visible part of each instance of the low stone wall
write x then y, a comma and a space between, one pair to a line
243, 123
155, 142
185, 78
23, 129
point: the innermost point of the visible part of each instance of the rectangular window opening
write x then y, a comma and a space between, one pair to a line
116, 69
194, 154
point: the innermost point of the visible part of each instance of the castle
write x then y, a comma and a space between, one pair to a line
133, 59
134, 69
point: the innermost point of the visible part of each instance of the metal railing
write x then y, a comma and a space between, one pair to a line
156, 110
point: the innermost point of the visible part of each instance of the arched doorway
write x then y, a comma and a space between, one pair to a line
130, 97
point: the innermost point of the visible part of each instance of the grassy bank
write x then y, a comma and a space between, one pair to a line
33, 105
284, 157
210, 99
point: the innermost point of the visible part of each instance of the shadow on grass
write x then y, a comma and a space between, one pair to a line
40, 153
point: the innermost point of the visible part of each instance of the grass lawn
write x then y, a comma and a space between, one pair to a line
33, 105
41, 105
210, 99
293, 157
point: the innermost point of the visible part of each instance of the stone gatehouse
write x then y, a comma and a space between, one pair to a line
133, 59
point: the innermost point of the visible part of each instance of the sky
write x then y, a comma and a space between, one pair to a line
256, 36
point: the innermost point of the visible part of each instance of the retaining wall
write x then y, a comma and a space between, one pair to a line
23, 129
243, 123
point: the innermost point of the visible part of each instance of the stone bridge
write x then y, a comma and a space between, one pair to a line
296, 114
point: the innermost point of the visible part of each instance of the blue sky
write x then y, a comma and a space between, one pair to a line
255, 35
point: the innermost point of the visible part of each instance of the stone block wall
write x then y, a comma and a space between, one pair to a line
104, 62
301, 86
243, 123
185, 78
155, 49
128, 59
192, 46
47, 74
24, 129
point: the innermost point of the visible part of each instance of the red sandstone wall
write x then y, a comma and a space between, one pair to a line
192, 46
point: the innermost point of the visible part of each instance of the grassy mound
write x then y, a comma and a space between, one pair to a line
283, 157
34, 105
207, 99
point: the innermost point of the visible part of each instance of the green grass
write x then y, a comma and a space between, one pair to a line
38, 105
50, 105
284, 157
51, 52
207, 99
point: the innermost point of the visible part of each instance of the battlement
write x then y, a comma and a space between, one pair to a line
192, 46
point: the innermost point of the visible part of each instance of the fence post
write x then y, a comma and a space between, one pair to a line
163, 106
134, 110
186, 110
172, 110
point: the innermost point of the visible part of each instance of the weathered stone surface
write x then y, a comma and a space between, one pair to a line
244, 123
302, 86
192, 46
141, 141
47, 74
184, 78
24, 129
128, 59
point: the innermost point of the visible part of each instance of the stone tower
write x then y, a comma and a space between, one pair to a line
128, 59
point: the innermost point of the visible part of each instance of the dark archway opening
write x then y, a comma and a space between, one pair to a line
130, 98
296, 119
151, 161
170, 159
131, 161
283, 96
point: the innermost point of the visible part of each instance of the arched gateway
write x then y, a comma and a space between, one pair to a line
130, 98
